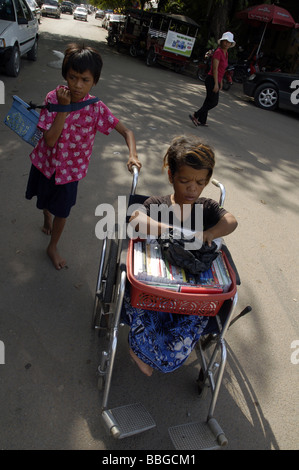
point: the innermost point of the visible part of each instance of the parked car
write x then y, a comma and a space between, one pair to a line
99, 14
272, 90
18, 35
51, 8
35, 9
111, 18
67, 7
80, 13
105, 20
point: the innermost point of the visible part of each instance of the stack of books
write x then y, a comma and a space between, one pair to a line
151, 268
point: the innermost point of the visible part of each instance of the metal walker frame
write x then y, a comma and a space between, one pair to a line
132, 419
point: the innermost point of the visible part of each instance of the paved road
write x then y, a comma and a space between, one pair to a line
48, 393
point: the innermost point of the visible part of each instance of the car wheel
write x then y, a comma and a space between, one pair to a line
32, 54
133, 50
13, 65
266, 96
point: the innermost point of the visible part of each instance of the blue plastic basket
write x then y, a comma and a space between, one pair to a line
23, 121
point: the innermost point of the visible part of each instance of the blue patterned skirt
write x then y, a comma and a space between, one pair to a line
162, 340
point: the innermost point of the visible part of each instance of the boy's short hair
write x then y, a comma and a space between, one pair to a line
81, 58
189, 151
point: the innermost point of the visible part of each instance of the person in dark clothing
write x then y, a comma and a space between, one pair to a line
214, 78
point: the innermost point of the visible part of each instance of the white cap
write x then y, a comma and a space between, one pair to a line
228, 36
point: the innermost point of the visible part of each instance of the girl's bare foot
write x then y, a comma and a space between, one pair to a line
145, 368
47, 228
55, 257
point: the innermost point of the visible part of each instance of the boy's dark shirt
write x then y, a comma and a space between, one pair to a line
212, 212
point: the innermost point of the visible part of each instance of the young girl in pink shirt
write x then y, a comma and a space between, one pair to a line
61, 157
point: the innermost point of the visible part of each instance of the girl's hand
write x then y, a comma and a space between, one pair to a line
63, 96
134, 161
52, 135
216, 88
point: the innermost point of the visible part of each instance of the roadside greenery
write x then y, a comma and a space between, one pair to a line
213, 16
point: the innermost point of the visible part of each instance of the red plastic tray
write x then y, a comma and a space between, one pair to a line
155, 298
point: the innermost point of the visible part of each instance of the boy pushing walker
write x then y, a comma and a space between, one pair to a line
61, 157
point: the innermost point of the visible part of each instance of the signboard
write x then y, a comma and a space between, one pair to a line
179, 43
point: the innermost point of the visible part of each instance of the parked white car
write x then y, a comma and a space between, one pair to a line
99, 14
18, 35
51, 8
80, 14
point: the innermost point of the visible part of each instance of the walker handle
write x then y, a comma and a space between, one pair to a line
222, 191
135, 172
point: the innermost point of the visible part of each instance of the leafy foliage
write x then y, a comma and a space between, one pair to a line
213, 16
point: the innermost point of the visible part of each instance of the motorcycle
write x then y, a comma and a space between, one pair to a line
242, 71
227, 80
204, 66
138, 48
113, 35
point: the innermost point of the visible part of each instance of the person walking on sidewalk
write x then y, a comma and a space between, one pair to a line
214, 78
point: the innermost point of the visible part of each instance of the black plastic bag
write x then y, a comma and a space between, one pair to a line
193, 261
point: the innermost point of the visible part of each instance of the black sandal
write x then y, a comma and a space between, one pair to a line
194, 120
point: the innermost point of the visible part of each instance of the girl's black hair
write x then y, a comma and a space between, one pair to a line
189, 151
81, 58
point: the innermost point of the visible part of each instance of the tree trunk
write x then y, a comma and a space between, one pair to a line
220, 17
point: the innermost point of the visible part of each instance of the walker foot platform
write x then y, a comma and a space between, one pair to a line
128, 420
198, 436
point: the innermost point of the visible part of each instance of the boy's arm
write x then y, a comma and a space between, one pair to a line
226, 225
144, 225
131, 143
52, 135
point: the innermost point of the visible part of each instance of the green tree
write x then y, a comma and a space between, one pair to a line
117, 4
213, 16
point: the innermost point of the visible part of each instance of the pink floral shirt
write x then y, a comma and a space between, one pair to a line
70, 156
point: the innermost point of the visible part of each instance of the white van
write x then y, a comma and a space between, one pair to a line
18, 35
